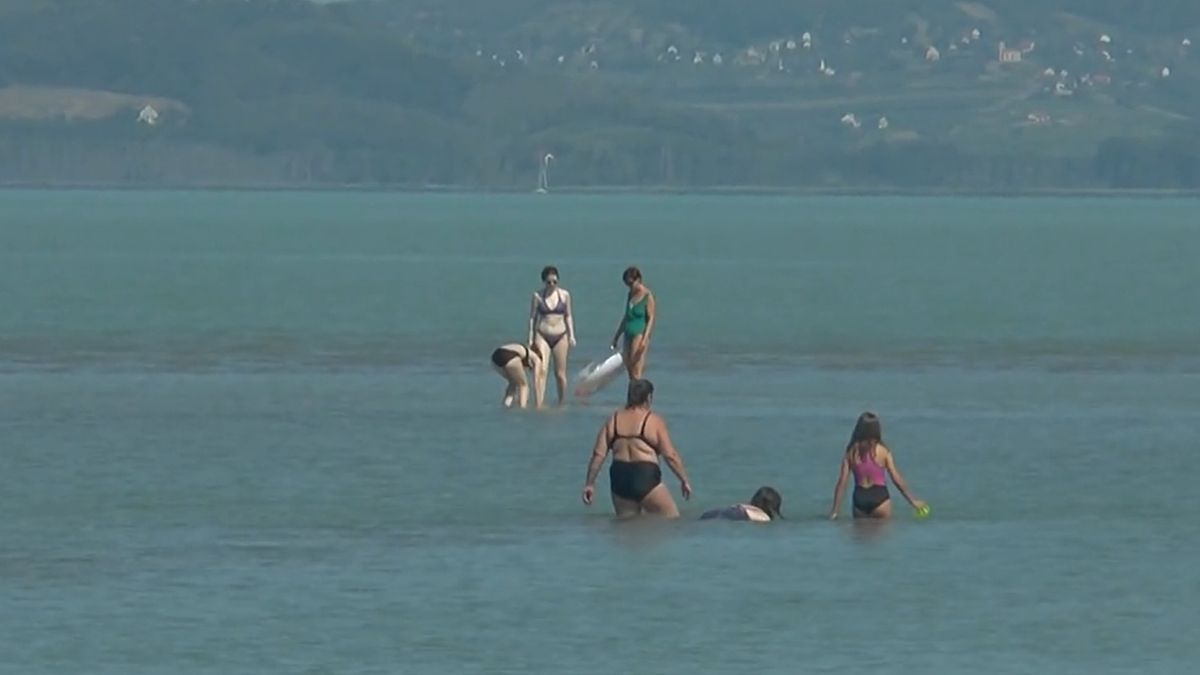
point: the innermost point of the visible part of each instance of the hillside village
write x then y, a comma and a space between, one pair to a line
809, 59
796, 55
801, 60
1057, 72
619, 92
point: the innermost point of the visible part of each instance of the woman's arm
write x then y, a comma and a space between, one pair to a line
595, 461
671, 455
890, 463
840, 488
570, 319
620, 329
533, 312
651, 313
756, 515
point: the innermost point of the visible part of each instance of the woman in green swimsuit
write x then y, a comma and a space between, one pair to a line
636, 324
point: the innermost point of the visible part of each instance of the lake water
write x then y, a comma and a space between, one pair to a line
257, 433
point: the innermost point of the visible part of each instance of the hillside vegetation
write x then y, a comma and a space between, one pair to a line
863, 94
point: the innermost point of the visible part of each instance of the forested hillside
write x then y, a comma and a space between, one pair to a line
824, 94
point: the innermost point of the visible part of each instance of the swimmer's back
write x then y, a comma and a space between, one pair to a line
632, 435
736, 512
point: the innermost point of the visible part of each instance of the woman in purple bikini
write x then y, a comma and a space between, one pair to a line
551, 326
868, 458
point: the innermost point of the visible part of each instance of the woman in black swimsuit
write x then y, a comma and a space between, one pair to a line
511, 361
636, 437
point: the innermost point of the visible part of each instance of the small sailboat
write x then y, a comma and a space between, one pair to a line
543, 174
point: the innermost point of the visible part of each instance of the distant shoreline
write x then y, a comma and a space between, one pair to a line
729, 190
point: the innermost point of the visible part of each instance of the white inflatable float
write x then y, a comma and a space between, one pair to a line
597, 374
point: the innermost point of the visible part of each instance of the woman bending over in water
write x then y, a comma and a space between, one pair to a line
763, 507
636, 324
868, 458
551, 326
636, 437
511, 361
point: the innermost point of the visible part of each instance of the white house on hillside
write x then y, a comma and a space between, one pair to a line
1008, 55
148, 116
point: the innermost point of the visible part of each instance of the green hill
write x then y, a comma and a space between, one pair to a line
860, 94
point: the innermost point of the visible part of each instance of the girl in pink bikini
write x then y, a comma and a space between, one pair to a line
868, 458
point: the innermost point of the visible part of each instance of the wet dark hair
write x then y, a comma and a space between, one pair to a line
768, 499
631, 274
867, 433
548, 270
639, 393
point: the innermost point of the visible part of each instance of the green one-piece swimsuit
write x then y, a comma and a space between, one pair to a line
635, 318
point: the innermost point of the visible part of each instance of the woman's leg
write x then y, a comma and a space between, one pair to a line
639, 350
660, 502
560, 366
635, 356
627, 356
510, 391
625, 508
514, 372
543, 347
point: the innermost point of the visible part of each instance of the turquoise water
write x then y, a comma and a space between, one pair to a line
256, 433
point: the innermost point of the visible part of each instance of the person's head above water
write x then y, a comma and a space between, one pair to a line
769, 500
867, 428
550, 274
631, 275
640, 392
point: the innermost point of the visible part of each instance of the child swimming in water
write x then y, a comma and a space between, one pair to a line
763, 507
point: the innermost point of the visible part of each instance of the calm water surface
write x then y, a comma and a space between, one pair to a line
256, 433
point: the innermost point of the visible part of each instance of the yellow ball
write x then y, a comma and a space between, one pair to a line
922, 511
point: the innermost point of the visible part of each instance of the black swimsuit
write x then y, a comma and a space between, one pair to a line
867, 499
633, 480
502, 356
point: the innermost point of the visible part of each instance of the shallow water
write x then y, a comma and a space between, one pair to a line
251, 432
